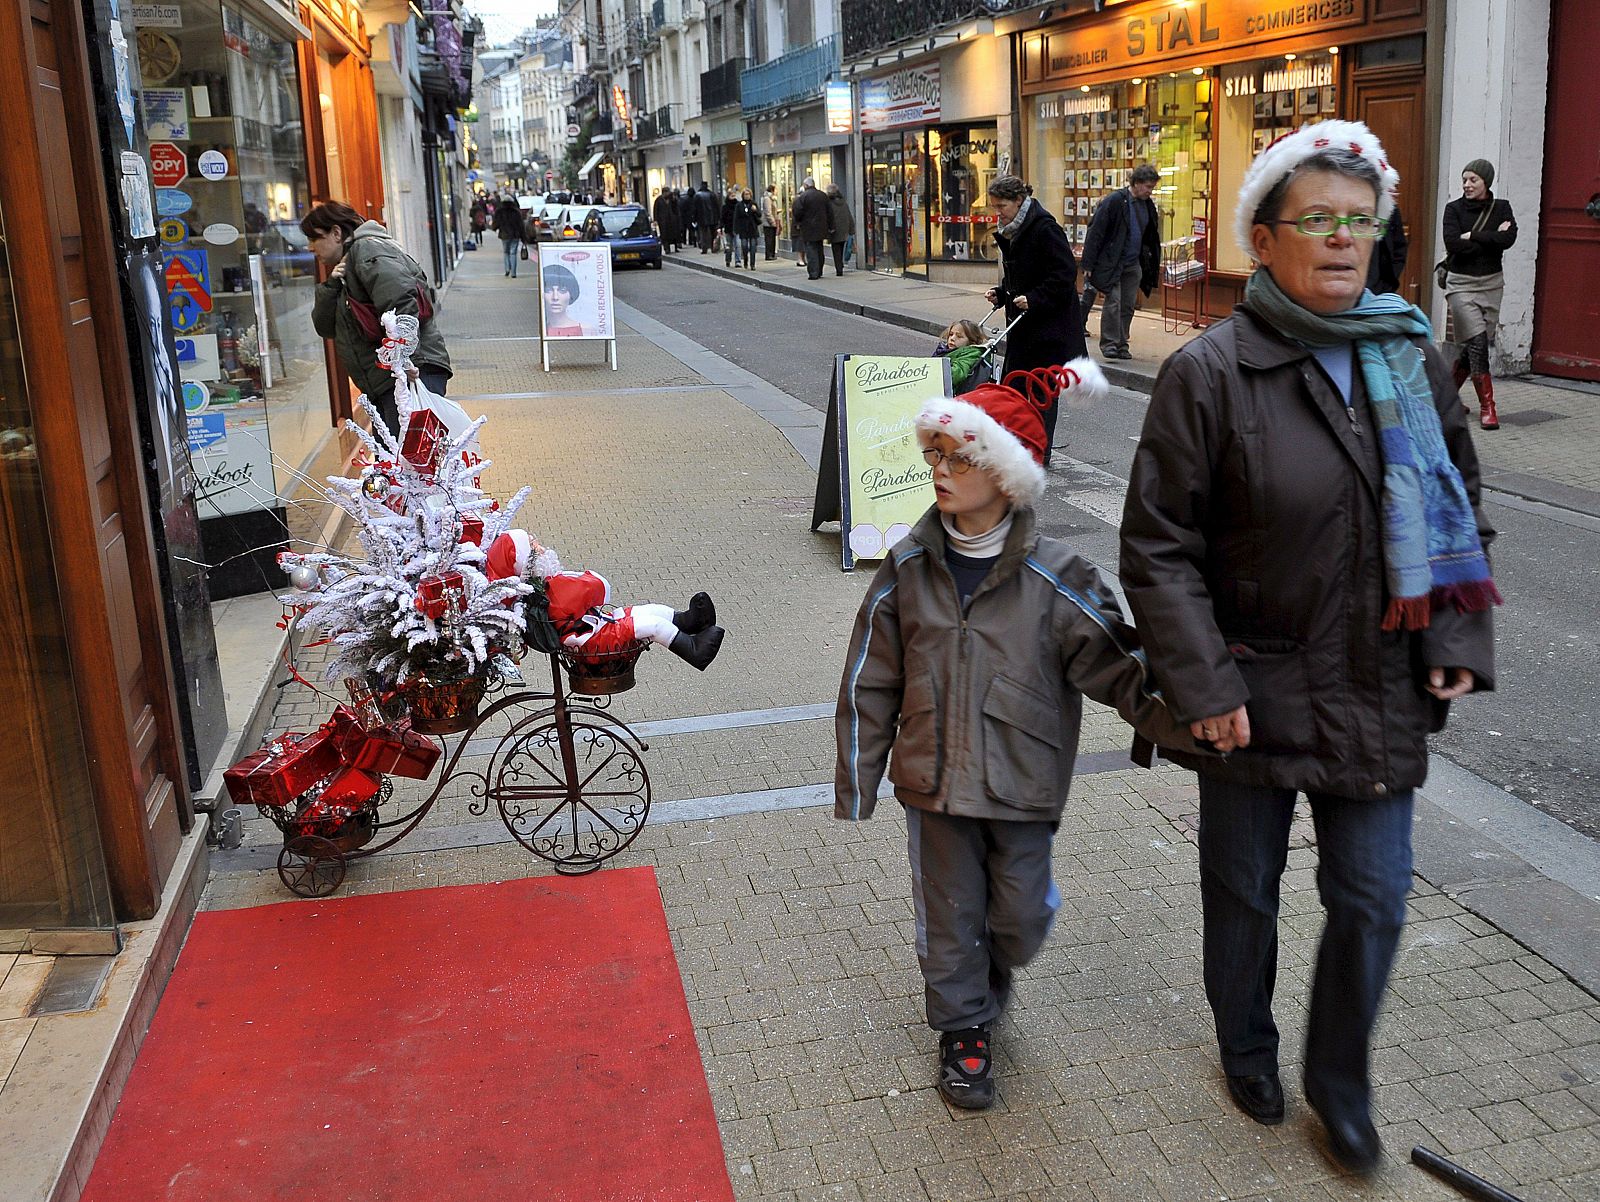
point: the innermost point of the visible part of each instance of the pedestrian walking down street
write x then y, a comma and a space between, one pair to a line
1040, 278
1303, 552
841, 226
746, 225
665, 213
369, 275
707, 214
508, 225
811, 216
1122, 257
480, 220
983, 728
689, 217
1478, 230
730, 239
1389, 255
771, 220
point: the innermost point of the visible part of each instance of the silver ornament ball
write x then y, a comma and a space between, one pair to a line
375, 484
304, 577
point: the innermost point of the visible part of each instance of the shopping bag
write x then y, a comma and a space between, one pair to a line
523, 253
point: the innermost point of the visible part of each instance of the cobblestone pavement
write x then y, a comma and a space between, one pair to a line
794, 933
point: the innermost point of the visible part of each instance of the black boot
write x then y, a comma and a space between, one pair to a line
698, 650
702, 612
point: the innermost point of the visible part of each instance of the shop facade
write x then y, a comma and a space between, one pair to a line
786, 149
932, 139
1197, 90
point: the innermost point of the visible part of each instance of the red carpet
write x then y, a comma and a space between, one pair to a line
526, 1040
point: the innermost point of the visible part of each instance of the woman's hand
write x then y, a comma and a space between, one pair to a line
338, 271
1504, 226
992, 296
1461, 682
1225, 732
1021, 303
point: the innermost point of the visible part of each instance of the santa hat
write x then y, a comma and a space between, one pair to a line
1289, 151
508, 556
1001, 426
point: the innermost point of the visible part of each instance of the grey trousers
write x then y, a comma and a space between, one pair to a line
984, 901
1117, 305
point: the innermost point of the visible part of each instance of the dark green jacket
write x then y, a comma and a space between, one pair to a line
378, 272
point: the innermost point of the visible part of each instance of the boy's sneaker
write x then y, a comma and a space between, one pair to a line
966, 1069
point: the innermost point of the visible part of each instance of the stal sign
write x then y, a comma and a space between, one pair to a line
169, 166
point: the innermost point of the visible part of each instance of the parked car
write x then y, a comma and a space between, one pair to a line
628, 230
567, 224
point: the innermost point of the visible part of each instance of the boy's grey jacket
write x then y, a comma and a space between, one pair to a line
983, 711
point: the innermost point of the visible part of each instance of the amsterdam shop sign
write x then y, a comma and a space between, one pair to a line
906, 97
1181, 27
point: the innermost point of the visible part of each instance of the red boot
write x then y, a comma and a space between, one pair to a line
1488, 417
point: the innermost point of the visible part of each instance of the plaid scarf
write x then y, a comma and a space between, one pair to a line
1431, 553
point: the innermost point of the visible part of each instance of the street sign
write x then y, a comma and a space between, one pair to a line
169, 166
572, 130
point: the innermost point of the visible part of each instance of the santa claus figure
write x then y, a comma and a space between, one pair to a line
582, 612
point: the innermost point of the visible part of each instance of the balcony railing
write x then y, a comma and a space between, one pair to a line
653, 126
796, 76
719, 87
871, 25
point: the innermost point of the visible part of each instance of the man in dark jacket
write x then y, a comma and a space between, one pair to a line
369, 268
665, 212
1389, 256
1122, 256
811, 221
708, 215
688, 217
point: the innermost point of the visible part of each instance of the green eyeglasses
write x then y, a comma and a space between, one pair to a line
1322, 225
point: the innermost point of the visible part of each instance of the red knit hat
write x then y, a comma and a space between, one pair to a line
1002, 428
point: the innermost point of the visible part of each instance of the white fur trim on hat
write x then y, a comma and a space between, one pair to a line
988, 444
1087, 383
1289, 151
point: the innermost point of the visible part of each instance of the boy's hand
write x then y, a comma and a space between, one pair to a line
1225, 732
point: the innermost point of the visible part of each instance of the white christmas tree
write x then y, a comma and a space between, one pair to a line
382, 610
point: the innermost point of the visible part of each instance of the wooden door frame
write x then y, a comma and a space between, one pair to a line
38, 271
1419, 194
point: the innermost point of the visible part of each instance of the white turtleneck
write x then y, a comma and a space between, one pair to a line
987, 545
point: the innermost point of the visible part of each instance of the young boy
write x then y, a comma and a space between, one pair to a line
970, 658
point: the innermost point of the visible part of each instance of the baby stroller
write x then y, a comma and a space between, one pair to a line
979, 368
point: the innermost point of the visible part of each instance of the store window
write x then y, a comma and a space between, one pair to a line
780, 172
886, 203
961, 165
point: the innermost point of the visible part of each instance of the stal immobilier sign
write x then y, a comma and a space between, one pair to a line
1179, 28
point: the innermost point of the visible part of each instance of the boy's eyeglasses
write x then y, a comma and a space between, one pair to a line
1322, 225
933, 457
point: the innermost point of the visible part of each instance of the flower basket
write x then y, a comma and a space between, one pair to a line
602, 673
442, 707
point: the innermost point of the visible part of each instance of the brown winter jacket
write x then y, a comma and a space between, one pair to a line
1253, 563
983, 710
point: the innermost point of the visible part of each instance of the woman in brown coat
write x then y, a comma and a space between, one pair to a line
1302, 551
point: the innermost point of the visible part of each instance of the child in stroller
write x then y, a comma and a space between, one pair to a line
970, 355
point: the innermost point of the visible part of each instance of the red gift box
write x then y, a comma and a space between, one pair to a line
283, 769
393, 749
341, 799
441, 594
424, 442
471, 530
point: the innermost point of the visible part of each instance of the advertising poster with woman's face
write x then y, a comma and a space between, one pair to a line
575, 290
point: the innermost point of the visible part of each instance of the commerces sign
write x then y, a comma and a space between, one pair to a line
910, 96
1152, 33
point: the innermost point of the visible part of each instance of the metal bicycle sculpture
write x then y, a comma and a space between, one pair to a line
567, 780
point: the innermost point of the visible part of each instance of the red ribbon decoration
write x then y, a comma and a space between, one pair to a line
1040, 386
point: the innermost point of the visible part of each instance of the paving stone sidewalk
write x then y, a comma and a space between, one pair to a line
794, 933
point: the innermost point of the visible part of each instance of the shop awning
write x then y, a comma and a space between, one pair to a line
590, 165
